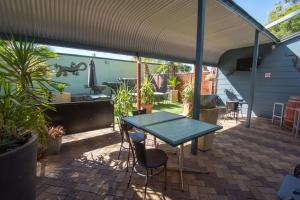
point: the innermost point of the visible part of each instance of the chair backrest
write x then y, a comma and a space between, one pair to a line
124, 130
232, 106
139, 112
297, 171
140, 152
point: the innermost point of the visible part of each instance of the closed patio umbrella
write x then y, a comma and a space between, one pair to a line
92, 75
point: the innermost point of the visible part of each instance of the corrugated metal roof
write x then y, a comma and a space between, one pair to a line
151, 28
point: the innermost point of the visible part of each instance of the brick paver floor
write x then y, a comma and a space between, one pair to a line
243, 164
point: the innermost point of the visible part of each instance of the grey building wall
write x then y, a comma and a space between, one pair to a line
284, 80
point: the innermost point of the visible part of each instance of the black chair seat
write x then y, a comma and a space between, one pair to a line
155, 158
137, 136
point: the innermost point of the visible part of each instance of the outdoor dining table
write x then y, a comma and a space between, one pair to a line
173, 129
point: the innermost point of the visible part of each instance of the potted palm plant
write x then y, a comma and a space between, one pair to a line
147, 95
188, 94
172, 84
24, 89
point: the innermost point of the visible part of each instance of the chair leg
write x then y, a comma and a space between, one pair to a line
146, 183
128, 157
120, 150
129, 181
165, 176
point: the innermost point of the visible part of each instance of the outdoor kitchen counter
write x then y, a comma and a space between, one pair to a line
83, 116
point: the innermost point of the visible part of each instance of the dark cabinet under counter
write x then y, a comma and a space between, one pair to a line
82, 116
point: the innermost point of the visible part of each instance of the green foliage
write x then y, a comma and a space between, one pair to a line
185, 68
173, 82
147, 91
24, 88
188, 93
61, 87
163, 69
288, 27
123, 101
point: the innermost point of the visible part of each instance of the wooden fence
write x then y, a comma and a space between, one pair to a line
207, 87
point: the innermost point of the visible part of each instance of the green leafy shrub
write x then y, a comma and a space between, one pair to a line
147, 92
173, 82
61, 87
123, 101
25, 80
188, 93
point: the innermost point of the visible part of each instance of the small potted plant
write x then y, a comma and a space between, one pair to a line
147, 95
55, 134
188, 94
172, 84
61, 96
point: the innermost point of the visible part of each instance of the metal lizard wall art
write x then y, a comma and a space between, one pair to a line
74, 69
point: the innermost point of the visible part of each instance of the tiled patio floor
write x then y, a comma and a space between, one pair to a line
244, 164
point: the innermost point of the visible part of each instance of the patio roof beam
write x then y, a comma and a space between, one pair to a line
198, 66
253, 76
138, 82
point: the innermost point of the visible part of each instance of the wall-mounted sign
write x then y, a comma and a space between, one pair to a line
268, 75
74, 69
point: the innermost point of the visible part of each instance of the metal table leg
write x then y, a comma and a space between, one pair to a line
182, 169
181, 165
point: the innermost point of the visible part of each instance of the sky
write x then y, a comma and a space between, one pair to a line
259, 9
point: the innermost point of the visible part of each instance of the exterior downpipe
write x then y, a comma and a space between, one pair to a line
253, 76
198, 66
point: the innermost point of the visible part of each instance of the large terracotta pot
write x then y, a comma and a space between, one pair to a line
18, 171
173, 96
148, 107
211, 116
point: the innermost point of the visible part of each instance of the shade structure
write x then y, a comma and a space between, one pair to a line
92, 75
151, 28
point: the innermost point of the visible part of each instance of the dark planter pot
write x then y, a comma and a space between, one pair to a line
54, 145
18, 172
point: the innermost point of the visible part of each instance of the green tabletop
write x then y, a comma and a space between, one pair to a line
140, 121
171, 128
182, 130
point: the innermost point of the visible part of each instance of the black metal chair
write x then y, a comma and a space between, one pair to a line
232, 108
125, 138
148, 159
297, 171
